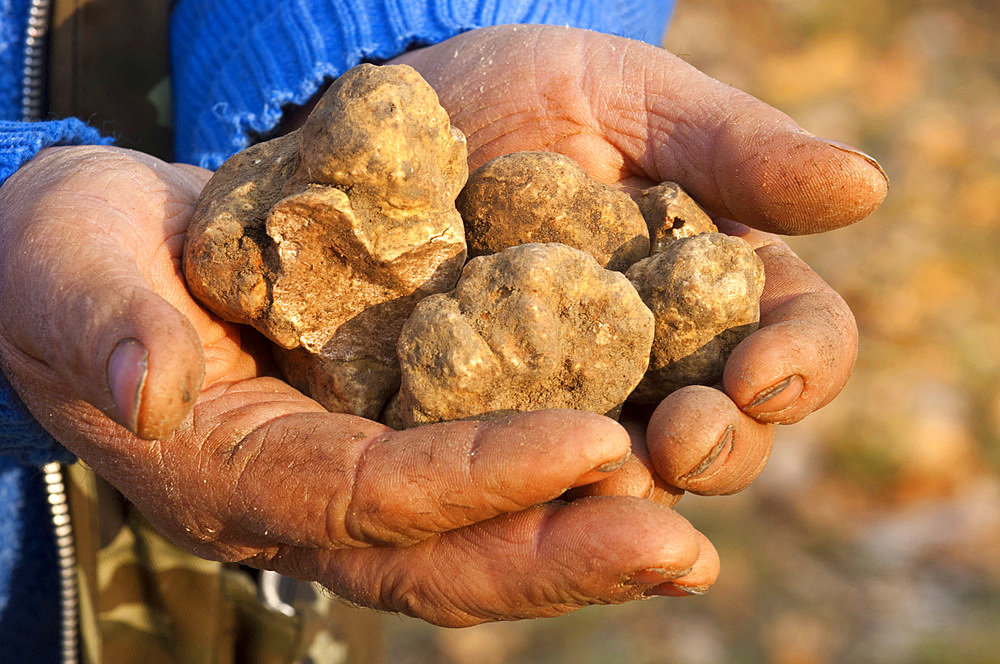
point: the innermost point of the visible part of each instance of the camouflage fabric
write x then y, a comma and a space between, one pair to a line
143, 599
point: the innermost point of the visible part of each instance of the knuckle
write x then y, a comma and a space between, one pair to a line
426, 596
384, 508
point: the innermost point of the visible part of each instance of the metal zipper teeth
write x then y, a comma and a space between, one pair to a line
32, 97
55, 488
33, 74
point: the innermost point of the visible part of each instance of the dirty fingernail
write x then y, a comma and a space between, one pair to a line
611, 466
655, 575
652, 575
777, 397
675, 590
715, 458
127, 369
601, 472
844, 147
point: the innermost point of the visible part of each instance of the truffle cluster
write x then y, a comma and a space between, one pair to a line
345, 243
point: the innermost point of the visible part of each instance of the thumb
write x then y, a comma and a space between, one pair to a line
81, 318
154, 368
736, 155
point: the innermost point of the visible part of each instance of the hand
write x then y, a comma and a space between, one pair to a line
444, 522
633, 115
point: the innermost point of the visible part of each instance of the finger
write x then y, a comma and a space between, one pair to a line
624, 108
699, 580
700, 441
474, 471
636, 476
804, 351
78, 297
545, 561
734, 154
261, 465
196, 176
401, 487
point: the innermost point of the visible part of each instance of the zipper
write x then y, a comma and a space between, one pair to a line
32, 98
55, 489
33, 73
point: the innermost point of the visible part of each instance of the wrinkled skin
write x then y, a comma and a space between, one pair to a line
184, 414
634, 115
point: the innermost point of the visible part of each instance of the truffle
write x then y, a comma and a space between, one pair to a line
326, 238
528, 197
534, 326
339, 241
704, 292
670, 215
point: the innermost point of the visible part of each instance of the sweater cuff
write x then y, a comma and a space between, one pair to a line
252, 57
20, 141
21, 436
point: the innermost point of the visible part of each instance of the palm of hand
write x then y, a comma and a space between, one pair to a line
634, 114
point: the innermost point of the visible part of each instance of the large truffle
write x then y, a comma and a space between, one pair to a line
326, 238
529, 197
535, 326
704, 292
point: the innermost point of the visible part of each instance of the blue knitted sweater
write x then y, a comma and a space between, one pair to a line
235, 64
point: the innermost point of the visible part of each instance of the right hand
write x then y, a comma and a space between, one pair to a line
453, 523
633, 115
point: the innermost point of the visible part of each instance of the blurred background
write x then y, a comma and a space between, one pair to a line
874, 533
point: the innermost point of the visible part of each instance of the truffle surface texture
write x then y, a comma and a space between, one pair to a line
704, 292
530, 197
326, 238
670, 215
535, 326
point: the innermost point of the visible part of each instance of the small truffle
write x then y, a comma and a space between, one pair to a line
529, 197
670, 215
704, 292
326, 238
535, 326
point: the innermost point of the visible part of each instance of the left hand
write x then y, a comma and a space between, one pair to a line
634, 115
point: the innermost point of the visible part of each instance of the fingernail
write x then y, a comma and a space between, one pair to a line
651, 575
844, 147
675, 590
777, 397
601, 472
715, 458
127, 369
655, 576
612, 466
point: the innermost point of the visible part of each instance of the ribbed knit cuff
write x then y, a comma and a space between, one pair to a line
20, 141
236, 63
21, 436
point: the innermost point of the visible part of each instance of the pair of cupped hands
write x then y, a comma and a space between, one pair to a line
460, 522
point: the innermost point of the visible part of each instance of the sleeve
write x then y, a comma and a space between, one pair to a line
20, 434
20, 141
236, 63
